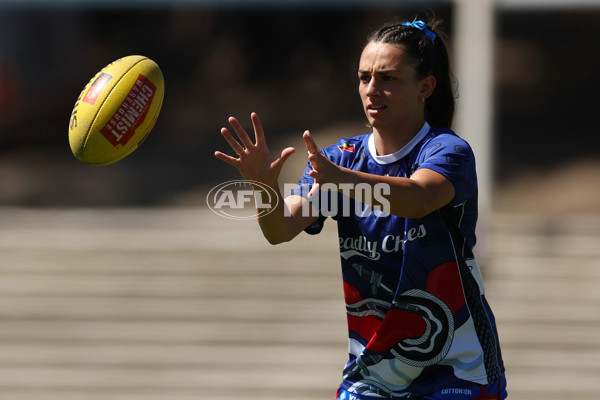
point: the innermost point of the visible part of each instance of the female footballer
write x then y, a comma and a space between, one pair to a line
419, 324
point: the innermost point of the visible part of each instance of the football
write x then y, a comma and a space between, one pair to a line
116, 110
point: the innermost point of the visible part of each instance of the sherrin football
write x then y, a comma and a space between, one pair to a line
116, 110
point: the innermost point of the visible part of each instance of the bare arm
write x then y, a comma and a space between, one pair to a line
256, 164
424, 192
288, 219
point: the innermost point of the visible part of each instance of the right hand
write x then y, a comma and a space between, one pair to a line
254, 160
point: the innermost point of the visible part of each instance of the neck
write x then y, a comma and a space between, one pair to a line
389, 141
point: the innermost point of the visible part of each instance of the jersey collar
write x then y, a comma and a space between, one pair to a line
390, 158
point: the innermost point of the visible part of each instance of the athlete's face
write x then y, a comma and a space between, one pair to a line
392, 97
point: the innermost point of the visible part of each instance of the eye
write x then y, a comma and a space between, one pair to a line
364, 78
388, 78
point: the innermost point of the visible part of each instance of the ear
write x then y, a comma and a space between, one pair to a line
427, 86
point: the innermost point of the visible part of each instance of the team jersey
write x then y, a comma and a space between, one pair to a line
418, 319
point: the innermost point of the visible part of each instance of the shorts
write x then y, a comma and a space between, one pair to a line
493, 391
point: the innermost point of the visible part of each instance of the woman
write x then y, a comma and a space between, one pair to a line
419, 324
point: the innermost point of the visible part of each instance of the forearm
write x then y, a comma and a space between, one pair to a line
406, 197
286, 219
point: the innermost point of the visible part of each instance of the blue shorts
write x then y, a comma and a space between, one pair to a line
493, 391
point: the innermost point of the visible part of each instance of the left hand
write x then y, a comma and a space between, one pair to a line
323, 170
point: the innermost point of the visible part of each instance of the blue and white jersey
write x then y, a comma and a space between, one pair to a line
418, 321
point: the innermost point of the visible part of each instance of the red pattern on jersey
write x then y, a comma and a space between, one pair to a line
444, 283
397, 325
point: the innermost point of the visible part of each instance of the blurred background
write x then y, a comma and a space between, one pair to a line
292, 62
117, 283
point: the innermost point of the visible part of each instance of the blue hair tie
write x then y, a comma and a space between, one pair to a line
422, 26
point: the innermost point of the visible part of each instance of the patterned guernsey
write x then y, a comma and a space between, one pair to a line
418, 320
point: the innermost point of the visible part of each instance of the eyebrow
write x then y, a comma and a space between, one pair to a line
383, 72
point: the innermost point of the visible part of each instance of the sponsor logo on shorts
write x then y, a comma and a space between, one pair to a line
460, 391
131, 113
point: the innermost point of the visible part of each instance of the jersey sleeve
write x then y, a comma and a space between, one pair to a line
323, 199
304, 186
452, 157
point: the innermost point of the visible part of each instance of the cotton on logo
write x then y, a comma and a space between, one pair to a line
242, 199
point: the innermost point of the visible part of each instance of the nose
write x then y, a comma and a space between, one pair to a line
373, 88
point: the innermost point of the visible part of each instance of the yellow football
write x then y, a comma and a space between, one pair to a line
116, 110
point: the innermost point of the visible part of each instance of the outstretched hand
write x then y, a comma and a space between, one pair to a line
254, 160
323, 170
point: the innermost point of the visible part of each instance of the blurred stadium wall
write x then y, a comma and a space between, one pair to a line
293, 62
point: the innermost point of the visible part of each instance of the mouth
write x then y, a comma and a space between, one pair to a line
374, 109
